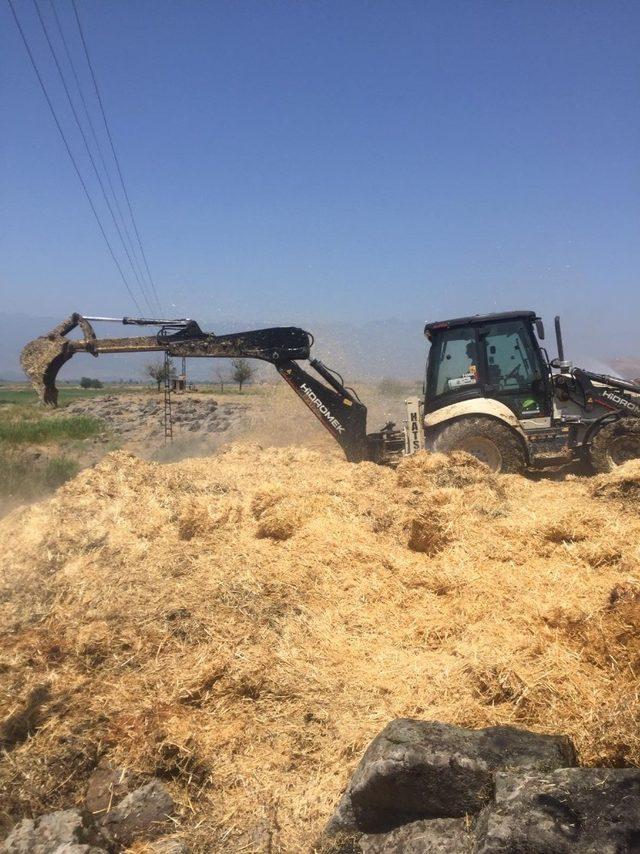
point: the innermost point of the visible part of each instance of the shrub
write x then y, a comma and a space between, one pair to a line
87, 382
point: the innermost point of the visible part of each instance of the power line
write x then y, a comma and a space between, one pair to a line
113, 149
94, 135
88, 149
70, 153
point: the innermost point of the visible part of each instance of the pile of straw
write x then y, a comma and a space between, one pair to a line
242, 626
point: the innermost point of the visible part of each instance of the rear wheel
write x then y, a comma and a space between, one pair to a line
615, 444
488, 440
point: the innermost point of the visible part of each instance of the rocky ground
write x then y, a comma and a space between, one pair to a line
424, 787
139, 419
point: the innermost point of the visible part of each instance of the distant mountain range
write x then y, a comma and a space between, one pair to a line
384, 348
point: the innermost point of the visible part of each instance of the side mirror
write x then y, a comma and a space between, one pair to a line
540, 328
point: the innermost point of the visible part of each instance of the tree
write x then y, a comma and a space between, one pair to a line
222, 379
87, 382
158, 371
242, 372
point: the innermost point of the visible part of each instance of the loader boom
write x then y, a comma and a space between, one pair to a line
336, 407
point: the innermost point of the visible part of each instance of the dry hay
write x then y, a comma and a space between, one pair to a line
624, 483
243, 625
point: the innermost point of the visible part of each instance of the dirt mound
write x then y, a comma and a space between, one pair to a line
241, 626
141, 416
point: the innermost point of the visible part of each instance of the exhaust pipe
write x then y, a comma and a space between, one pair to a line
560, 363
559, 339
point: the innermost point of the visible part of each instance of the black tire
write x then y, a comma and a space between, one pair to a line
614, 444
486, 439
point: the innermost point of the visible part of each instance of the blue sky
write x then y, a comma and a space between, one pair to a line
292, 161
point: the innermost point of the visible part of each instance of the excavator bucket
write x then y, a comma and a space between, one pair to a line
42, 358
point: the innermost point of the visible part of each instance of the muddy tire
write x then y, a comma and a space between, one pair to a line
488, 440
615, 444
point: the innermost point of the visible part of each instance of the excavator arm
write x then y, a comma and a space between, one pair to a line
337, 408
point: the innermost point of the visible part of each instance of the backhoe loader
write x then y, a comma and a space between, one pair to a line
490, 389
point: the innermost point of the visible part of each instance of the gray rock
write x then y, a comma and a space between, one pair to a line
257, 839
169, 846
63, 832
424, 769
143, 812
107, 785
581, 810
73, 848
438, 836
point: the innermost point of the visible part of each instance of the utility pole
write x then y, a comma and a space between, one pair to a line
168, 418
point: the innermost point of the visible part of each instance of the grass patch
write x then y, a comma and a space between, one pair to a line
25, 479
66, 394
43, 430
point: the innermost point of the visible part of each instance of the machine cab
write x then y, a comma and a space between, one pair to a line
493, 355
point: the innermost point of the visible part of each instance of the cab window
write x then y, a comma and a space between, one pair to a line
454, 362
511, 360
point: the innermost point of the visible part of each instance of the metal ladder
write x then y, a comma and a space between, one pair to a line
168, 416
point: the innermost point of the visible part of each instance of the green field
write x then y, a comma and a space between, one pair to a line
27, 395
27, 469
32, 431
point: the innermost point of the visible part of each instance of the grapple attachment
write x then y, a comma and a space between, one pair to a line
42, 358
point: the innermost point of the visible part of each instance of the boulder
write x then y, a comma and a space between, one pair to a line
145, 812
63, 832
107, 785
437, 836
425, 769
581, 810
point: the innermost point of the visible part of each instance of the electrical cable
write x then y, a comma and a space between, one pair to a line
88, 149
113, 149
70, 153
87, 113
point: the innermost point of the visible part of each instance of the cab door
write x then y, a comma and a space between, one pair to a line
453, 368
512, 369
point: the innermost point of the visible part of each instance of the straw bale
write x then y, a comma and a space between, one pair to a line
242, 626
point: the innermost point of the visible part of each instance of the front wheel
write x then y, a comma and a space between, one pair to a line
488, 440
615, 444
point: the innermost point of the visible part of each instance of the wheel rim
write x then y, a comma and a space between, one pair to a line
622, 449
482, 449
